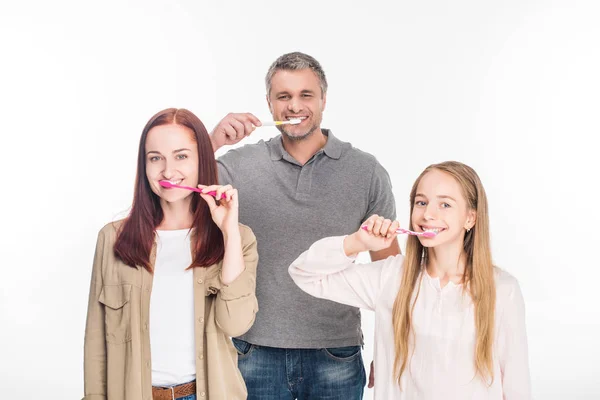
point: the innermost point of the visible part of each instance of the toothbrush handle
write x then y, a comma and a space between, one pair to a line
399, 230
274, 123
212, 192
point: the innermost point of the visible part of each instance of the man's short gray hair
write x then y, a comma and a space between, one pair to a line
294, 62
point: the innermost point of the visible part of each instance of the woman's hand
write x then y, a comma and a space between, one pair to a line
224, 211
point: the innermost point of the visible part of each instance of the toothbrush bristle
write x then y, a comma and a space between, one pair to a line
295, 121
429, 234
166, 184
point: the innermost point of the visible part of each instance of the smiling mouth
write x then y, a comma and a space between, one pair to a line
296, 117
434, 230
169, 182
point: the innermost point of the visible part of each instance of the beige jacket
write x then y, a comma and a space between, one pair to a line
117, 361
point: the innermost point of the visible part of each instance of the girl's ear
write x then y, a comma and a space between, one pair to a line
471, 218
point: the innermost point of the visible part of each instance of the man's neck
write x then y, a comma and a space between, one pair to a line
303, 150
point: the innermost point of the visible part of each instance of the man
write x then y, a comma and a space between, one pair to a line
294, 189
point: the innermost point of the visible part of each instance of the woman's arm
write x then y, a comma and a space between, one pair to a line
236, 303
94, 366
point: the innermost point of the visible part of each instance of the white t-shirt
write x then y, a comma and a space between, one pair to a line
172, 311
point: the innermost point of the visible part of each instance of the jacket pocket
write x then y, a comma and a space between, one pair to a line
117, 312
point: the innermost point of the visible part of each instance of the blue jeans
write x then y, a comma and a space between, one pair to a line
316, 374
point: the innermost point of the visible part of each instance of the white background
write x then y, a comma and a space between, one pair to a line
508, 87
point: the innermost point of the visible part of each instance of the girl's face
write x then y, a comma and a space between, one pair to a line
171, 155
441, 207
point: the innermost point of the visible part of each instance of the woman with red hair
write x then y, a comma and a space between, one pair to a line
177, 277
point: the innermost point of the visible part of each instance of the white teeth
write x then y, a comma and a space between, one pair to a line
175, 182
434, 230
300, 118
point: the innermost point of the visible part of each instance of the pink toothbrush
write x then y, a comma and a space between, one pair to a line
401, 230
167, 184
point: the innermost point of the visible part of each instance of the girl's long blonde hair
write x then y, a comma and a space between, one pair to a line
478, 278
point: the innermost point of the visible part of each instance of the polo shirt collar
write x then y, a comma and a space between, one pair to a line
332, 149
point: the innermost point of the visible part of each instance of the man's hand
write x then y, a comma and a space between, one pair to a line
371, 376
233, 128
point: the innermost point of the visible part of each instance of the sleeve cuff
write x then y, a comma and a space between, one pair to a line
343, 252
242, 286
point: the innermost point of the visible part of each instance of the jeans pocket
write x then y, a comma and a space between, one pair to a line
242, 347
345, 354
117, 312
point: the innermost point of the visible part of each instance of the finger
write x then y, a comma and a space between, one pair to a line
253, 120
377, 226
248, 127
370, 222
209, 188
239, 128
229, 195
210, 201
222, 189
229, 131
385, 226
392, 232
372, 376
234, 197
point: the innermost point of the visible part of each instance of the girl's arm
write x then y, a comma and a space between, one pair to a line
512, 347
327, 269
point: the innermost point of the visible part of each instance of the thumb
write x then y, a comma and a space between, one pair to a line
212, 204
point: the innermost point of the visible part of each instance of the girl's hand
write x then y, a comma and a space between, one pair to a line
379, 235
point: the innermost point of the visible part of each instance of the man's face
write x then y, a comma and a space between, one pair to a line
297, 94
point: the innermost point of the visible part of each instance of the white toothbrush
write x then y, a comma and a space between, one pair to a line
294, 121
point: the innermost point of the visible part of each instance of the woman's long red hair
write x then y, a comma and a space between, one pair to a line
137, 233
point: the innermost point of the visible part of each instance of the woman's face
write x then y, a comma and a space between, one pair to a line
171, 155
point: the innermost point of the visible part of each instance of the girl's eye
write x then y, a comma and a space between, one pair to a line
182, 156
445, 205
154, 158
420, 203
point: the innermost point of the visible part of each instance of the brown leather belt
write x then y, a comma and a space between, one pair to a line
175, 392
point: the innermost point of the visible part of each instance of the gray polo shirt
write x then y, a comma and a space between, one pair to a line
290, 206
